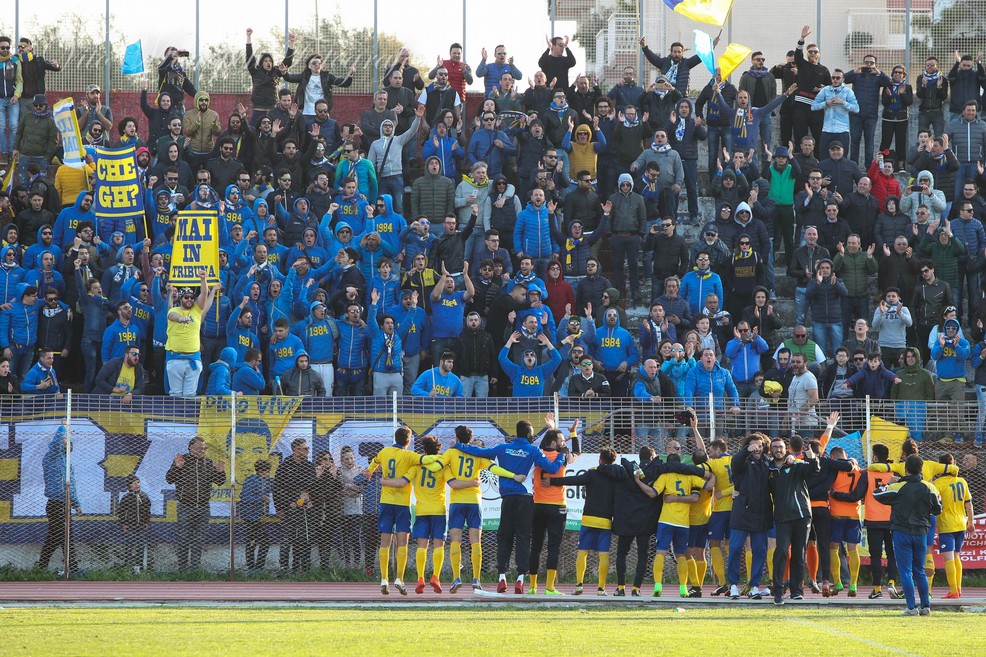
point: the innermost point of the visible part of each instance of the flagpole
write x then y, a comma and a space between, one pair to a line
108, 55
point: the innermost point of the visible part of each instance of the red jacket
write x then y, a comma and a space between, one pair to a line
560, 294
883, 186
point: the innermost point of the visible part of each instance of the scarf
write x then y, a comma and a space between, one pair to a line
40, 115
627, 123
125, 140
931, 78
663, 148
530, 335
570, 245
672, 73
894, 89
388, 342
679, 130
741, 255
742, 119
703, 274
559, 110
758, 72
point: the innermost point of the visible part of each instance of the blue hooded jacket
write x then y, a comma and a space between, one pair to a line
388, 225
67, 222
318, 255
950, 360
352, 210
532, 233
19, 325
220, 379
38, 374
318, 336
238, 213
695, 286
614, 345
279, 307
214, 321
247, 380
449, 385
413, 327
53, 468
719, 382
32, 257
678, 371
354, 345
744, 357
283, 354
528, 381
116, 339
241, 339
10, 276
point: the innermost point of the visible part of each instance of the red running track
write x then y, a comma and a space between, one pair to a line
335, 592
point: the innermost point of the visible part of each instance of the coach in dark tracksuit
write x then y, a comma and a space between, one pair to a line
752, 515
792, 515
635, 515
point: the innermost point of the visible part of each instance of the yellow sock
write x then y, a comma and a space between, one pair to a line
692, 569
836, 565
683, 571
719, 566
532, 578
658, 568
950, 576
549, 580
437, 561
401, 562
581, 563
958, 572
603, 568
749, 564
878, 588
384, 553
476, 554
929, 569
701, 567
420, 559
770, 565
455, 556
853, 566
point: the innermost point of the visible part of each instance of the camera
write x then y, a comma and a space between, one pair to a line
914, 188
866, 69
182, 53
685, 417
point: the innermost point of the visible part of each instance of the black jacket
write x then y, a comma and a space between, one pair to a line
328, 81
293, 478
578, 386
600, 488
193, 481
636, 513
670, 255
789, 488
475, 355
134, 509
109, 373
54, 327
752, 509
913, 502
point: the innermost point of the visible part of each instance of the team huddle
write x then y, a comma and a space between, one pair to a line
789, 505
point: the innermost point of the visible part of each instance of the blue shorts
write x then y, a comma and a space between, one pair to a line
951, 542
930, 538
394, 519
845, 530
698, 536
668, 534
718, 526
461, 514
429, 527
595, 539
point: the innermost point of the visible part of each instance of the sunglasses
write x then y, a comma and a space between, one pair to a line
187, 296
801, 335
744, 244
711, 234
859, 358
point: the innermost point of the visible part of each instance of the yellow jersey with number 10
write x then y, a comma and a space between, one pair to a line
954, 493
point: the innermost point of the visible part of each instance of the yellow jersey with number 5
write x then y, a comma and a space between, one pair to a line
672, 483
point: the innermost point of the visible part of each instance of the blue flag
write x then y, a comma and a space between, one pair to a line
705, 50
133, 59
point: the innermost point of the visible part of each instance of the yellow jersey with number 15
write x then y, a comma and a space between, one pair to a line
429, 491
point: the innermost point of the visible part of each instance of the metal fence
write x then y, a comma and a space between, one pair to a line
367, 35
115, 535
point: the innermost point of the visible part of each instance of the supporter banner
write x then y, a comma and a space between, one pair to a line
68, 127
117, 187
196, 247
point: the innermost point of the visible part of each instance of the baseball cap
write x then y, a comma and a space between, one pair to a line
92, 87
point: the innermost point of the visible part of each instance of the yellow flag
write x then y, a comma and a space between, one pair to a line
734, 56
886, 432
703, 11
8, 179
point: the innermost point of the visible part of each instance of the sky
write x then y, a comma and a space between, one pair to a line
427, 34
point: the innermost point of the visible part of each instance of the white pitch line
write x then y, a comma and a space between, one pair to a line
847, 635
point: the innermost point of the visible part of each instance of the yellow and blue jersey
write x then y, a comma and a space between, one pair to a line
671, 483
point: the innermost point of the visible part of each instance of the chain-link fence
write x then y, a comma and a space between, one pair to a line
154, 484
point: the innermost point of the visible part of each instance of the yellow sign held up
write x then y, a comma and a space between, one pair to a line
196, 247
68, 127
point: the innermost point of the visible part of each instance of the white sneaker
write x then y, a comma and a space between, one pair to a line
765, 591
755, 594
734, 592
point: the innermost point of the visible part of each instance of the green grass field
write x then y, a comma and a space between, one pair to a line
507, 631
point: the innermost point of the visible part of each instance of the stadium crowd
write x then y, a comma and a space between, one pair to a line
416, 249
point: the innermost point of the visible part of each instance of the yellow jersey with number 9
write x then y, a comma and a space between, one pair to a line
394, 462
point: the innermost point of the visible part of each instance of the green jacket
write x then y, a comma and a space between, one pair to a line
854, 269
36, 137
945, 256
916, 382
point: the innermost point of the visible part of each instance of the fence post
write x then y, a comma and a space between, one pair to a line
393, 402
232, 487
108, 55
907, 35
869, 437
556, 409
712, 417
287, 30
198, 58
376, 48
68, 484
